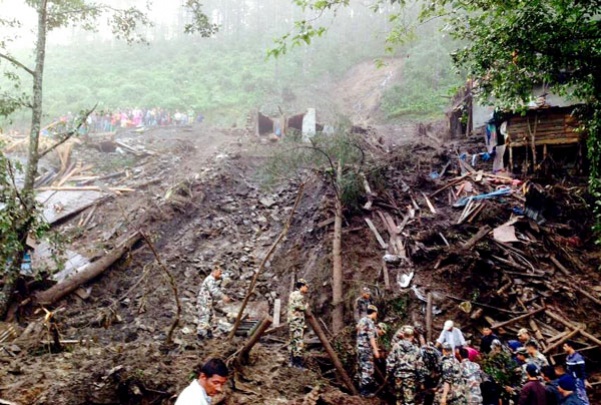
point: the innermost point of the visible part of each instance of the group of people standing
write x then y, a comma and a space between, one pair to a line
446, 372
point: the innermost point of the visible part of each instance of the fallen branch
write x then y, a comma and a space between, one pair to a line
173, 288
89, 272
326, 344
253, 282
476, 238
243, 355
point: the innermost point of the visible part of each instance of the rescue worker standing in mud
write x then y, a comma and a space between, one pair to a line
297, 306
405, 365
452, 390
209, 293
367, 350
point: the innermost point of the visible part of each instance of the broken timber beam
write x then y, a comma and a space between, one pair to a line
371, 225
562, 340
517, 318
570, 325
333, 356
89, 272
476, 238
429, 317
243, 355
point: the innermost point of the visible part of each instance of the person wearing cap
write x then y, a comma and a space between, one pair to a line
405, 365
500, 366
361, 303
536, 357
367, 349
451, 390
452, 335
431, 358
524, 337
297, 306
576, 367
209, 293
472, 375
533, 392
567, 389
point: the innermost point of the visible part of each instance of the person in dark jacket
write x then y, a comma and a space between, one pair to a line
533, 392
567, 389
551, 382
486, 340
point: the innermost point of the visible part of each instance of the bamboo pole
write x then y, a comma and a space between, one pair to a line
333, 356
251, 287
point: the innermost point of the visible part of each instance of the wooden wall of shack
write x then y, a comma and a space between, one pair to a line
542, 132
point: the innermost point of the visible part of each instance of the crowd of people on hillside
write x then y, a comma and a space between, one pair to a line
111, 120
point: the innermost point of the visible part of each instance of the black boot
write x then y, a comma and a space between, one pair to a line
366, 391
297, 362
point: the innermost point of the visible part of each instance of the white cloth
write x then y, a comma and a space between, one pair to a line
193, 394
453, 336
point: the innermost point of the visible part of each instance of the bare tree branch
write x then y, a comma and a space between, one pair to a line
16, 63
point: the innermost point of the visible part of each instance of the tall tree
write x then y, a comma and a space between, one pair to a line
124, 23
508, 47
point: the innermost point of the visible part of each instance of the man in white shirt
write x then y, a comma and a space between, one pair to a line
211, 379
451, 335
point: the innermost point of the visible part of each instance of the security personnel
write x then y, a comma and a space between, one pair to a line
210, 291
367, 350
297, 306
405, 365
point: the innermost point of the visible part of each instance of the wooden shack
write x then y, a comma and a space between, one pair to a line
541, 131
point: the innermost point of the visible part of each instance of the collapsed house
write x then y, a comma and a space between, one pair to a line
545, 130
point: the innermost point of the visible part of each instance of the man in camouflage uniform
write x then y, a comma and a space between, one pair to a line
405, 365
472, 376
451, 390
362, 303
297, 306
367, 349
536, 357
431, 359
524, 337
209, 292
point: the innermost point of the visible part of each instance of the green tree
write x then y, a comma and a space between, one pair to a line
19, 218
508, 47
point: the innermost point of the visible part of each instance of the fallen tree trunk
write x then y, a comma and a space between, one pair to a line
326, 344
91, 271
243, 355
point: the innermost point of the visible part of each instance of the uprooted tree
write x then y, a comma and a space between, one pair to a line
340, 160
19, 214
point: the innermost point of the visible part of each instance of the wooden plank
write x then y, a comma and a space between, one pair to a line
430, 206
570, 325
476, 238
277, 309
518, 318
562, 340
429, 317
383, 244
386, 275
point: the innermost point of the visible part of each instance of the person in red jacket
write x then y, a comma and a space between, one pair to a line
533, 392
